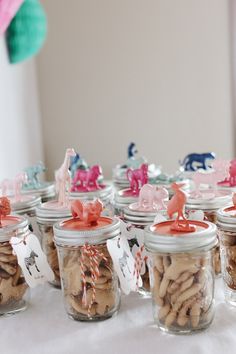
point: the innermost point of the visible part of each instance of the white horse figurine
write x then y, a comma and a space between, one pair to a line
14, 185
63, 177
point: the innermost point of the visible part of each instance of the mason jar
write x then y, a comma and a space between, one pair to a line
210, 204
139, 220
226, 221
89, 282
14, 292
47, 215
182, 276
46, 191
105, 195
26, 207
121, 201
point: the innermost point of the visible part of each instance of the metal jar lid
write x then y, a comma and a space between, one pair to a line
226, 218
52, 212
141, 218
161, 238
46, 190
209, 201
103, 194
12, 225
122, 199
25, 204
73, 232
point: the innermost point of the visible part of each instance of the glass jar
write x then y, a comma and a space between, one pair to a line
14, 292
26, 207
121, 201
210, 204
226, 222
89, 282
47, 215
139, 220
181, 276
46, 191
106, 195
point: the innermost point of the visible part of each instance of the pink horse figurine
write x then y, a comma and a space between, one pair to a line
62, 177
137, 178
86, 180
176, 205
152, 198
14, 185
89, 212
220, 172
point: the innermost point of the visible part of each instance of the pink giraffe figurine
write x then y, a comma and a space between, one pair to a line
14, 185
89, 212
86, 180
176, 205
220, 170
62, 177
137, 178
152, 198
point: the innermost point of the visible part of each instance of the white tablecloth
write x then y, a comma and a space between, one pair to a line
44, 328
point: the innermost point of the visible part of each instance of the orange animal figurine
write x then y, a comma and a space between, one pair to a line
5, 208
89, 212
176, 205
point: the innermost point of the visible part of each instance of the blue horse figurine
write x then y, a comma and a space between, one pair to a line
200, 159
77, 163
33, 173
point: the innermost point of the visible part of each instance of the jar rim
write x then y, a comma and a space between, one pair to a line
226, 219
204, 237
102, 194
30, 202
212, 203
51, 211
141, 217
16, 222
46, 190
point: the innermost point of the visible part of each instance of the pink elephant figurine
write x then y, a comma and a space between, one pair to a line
86, 180
152, 198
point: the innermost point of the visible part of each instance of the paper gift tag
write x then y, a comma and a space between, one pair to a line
32, 260
124, 264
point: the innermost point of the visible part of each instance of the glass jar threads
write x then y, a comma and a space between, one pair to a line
46, 191
181, 275
121, 201
47, 215
14, 291
227, 233
210, 203
89, 283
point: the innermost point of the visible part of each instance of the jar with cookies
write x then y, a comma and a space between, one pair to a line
137, 216
47, 215
181, 270
226, 221
89, 282
14, 291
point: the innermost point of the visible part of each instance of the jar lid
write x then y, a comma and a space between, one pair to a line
160, 237
74, 232
208, 200
226, 218
138, 217
46, 190
122, 199
10, 224
27, 202
52, 211
102, 193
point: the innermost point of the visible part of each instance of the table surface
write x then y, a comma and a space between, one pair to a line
45, 328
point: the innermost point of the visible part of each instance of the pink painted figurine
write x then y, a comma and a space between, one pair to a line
89, 212
220, 170
137, 178
152, 198
176, 205
230, 181
5, 208
15, 185
62, 177
86, 180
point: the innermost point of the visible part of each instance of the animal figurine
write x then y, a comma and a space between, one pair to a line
62, 177
5, 208
176, 205
219, 172
30, 262
137, 178
86, 180
77, 163
132, 151
133, 161
230, 181
89, 212
15, 185
152, 198
200, 159
33, 173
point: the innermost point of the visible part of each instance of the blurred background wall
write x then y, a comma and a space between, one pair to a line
20, 128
